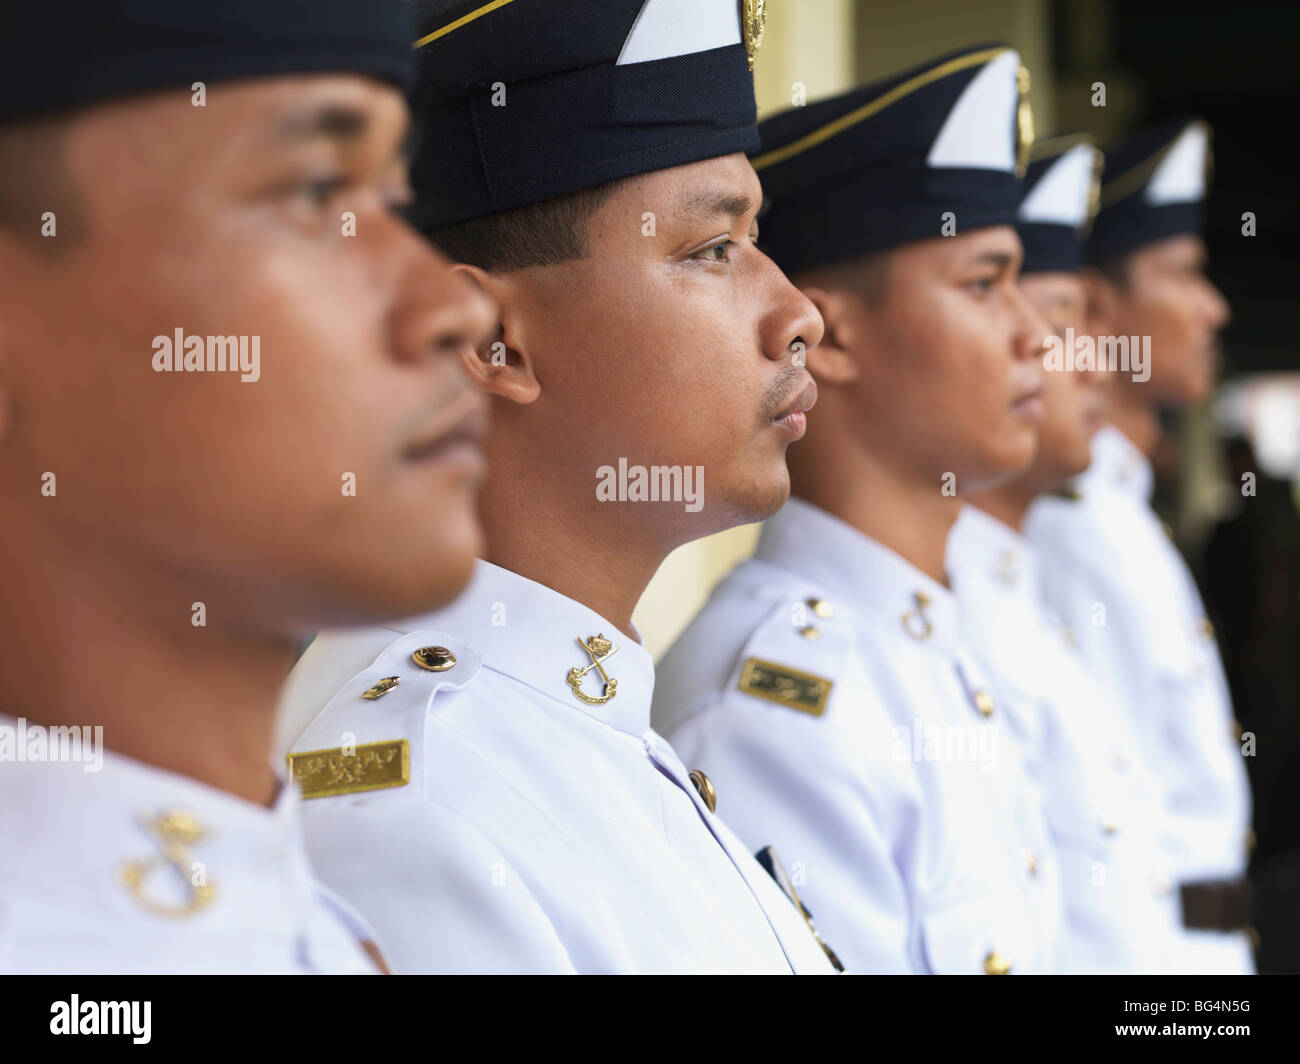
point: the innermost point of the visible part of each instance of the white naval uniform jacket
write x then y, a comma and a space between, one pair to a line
537, 833
1112, 574
917, 840
1102, 807
86, 885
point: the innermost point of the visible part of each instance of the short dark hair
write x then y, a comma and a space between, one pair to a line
867, 276
538, 234
1115, 270
33, 177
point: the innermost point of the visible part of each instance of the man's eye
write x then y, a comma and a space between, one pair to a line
982, 286
719, 252
319, 191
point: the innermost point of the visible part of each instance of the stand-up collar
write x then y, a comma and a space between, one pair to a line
1117, 465
874, 582
980, 543
531, 633
98, 841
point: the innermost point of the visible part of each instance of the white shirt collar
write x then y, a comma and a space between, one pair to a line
1117, 466
980, 543
531, 633
76, 830
878, 584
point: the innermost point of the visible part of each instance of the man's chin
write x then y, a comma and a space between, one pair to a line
1076, 465
768, 502
757, 503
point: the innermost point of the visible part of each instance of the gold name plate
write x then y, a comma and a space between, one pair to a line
370, 767
790, 687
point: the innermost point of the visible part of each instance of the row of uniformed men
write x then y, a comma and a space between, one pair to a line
882, 703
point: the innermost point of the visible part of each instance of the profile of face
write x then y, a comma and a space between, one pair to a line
340, 484
673, 342
946, 357
1168, 298
1074, 400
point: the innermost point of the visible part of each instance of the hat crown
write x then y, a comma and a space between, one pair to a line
978, 133
929, 152
1180, 175
667, 28
521, 101
1061, 192
1154, 188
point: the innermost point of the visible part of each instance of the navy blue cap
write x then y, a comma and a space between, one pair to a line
55, 54
518, 101
1153, 187
879, 166
1059, 203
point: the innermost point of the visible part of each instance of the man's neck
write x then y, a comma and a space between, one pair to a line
581, 557
89, 645
1137, 420
1008, 503
911, 519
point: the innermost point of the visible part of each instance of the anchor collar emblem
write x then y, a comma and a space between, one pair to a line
600, 650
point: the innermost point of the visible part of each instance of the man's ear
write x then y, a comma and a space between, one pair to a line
1102, 298
832, 361
501, 364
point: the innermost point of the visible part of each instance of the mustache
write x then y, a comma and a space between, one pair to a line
789, 382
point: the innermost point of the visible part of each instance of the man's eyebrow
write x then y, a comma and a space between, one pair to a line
704, 206
324, 120
1062, 301
1001, 259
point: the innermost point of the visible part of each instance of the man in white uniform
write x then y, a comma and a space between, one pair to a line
1108, 563
1103, 809
192, 363
828, 687
514, 811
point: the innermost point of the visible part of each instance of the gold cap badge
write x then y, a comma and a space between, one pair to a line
1024, 122
753, 19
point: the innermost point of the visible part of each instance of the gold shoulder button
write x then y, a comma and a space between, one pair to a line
788, 687
996, 964
705, 789
821, 608
434, 659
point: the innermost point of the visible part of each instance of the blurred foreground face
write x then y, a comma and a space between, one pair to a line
1169, 298
235, 487
1074, 401
956, 377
